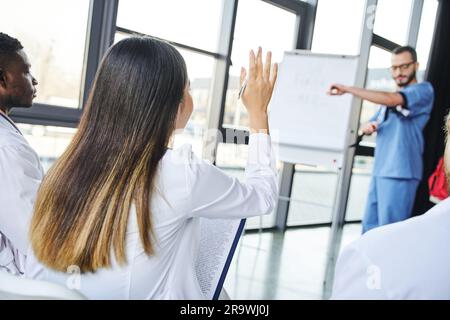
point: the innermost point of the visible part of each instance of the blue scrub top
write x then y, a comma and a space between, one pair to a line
400, 142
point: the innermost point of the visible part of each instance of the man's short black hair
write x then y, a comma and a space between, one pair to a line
8, 46
409, 49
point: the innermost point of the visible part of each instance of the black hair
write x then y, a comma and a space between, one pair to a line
409, 49
8, 46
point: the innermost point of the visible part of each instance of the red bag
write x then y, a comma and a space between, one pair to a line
437, 183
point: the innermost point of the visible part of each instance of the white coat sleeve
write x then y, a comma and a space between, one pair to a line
20, 176
356, 276
214, 194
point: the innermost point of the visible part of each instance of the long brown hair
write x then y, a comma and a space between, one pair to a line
82, 207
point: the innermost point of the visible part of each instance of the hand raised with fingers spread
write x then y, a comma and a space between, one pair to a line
259, 88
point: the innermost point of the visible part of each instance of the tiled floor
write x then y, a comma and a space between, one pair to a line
282, 266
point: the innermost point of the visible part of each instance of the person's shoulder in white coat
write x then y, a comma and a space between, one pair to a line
20, 176
405, 260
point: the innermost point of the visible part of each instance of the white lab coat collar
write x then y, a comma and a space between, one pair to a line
5, 124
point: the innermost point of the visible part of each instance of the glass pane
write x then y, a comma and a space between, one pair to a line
350, 233
200, 71
53, 34
392, 20
194, 23
232, 159
378, 78
338, 26
426, 34
276, 36
312, 196
359, 187
48, 142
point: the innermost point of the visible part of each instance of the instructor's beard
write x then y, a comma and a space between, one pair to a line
411, 77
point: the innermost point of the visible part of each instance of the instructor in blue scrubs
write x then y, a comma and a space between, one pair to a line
399, 123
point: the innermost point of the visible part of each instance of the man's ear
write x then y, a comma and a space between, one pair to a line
2, 78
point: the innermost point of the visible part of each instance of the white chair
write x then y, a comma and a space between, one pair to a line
17, 288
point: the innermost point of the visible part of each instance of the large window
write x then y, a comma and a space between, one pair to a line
49, 142
334, 31
392, 20
378, 78
314, 188
195, 22
313, 195
391, 23
274, 27
359, 188
55, 44
378, 74
257, 24
195, 32
426, 31
201, 72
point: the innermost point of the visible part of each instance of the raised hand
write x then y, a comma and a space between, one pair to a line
257, 89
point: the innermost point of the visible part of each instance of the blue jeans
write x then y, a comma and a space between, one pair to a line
390, 200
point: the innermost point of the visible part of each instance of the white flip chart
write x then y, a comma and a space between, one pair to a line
307, 125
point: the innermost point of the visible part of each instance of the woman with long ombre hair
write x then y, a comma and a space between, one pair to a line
123, 208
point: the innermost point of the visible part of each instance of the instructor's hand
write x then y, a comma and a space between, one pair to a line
258, 89
337, 90
369, 128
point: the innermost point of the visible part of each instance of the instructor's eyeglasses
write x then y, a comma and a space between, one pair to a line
402, 67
